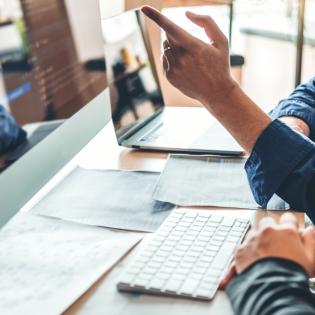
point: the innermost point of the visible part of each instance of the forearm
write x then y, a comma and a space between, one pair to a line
239, 115
272, 287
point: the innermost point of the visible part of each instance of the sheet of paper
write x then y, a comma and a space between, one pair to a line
109, 198
208, 181
46, 264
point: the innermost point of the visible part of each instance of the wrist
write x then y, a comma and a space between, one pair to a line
296, 124
222, 95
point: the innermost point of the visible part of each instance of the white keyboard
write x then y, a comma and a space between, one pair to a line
187, 256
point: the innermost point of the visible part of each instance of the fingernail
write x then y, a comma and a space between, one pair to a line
144, 9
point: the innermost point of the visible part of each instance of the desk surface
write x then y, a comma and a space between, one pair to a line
102, 298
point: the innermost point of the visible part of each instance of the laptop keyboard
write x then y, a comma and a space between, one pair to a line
187, 256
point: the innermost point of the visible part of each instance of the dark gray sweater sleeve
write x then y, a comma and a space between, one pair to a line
272, 287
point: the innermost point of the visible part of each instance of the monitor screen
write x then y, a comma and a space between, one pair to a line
134, 90
52, 65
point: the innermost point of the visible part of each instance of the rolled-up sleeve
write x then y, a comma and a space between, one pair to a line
272, 286
283, 162
300, 104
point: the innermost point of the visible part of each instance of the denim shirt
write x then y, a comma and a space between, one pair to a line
283, 161
11, 134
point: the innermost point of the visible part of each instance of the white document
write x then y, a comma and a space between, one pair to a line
47, 264
208, 181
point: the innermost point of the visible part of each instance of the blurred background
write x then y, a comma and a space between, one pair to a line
262, 32
52, 56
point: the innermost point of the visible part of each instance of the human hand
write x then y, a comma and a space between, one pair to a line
296, 124
281, 240
198, 69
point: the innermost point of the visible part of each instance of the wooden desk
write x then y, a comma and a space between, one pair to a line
102, 298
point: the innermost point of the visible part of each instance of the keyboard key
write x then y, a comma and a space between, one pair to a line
162, 275
224, 228
216, 218
227, 221
199, 270
212, 274
182, 247
140, 283
232, 239
157, 284
189, 259
187, 219
178, 252
172, 285
180, 228
175, 258
183, 271
127, 278
178, 276
189, 286
202, 219
219, 238
197, 248
222, 258
167, 270
199, 224
190, 214
204, 293
178, 212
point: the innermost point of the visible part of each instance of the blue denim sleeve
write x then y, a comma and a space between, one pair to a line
300, 104
283, 162
11, 134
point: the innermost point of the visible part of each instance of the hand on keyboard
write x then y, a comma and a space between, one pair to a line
275, 240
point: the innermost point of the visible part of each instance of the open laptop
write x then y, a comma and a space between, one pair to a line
140, 117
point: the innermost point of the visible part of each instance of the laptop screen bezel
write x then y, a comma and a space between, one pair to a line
144, 28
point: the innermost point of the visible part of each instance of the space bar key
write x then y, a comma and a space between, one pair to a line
223, 256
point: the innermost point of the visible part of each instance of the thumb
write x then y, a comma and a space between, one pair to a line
211, 28
228, 277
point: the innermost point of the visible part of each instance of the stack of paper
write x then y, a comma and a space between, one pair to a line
46, 264
116, 199
208, 181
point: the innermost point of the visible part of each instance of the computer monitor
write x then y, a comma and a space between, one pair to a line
134, 88
52, 75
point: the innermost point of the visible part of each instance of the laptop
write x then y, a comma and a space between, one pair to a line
140, 117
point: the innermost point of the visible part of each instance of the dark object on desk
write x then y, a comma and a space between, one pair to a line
109, 198
11, 135
37, 136
21, 65
237, 60
96, 65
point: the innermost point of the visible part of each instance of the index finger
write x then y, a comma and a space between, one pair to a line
173, 30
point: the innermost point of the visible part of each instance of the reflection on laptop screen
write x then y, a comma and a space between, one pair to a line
134, 91
51, 63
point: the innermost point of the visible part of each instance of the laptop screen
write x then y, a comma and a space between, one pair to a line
134, 90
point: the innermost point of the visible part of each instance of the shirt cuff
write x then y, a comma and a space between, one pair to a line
296, 109
248, 289
276, 153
